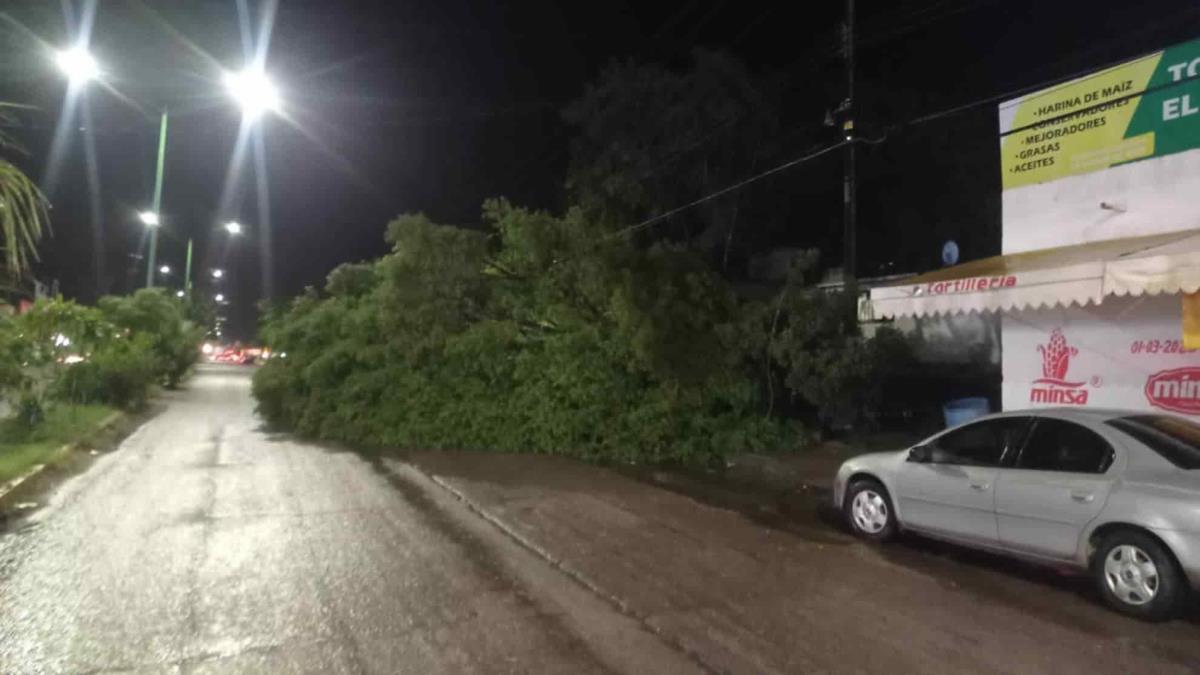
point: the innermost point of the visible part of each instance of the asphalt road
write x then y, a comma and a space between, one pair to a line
206, 544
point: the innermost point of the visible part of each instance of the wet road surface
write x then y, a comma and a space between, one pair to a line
205, 544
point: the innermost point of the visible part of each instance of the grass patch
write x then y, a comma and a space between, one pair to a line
22, 447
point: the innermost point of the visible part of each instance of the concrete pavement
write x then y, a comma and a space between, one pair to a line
801, 596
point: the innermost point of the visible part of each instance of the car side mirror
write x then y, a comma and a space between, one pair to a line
921, 454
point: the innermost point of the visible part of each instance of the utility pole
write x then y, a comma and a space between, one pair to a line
849, 198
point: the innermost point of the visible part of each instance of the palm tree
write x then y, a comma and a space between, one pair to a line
23, 215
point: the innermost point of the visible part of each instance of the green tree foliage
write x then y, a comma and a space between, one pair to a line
23, 216
567, 334
541, 338
12, 348
433, 273
114, 353
119, 374
814, 338
38, 343
171, 336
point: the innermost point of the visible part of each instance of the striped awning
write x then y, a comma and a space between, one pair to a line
1068, 275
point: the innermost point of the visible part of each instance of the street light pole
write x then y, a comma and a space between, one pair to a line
187, 274
158, 182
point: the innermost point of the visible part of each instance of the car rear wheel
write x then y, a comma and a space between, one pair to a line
869, 511
1138, 576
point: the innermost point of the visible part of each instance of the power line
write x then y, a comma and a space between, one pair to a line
732, 188
884, 29
1103, 104
912, 122
848, 143
1051, 85
1064, 82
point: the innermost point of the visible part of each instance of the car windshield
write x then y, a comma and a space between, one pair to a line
1177, 440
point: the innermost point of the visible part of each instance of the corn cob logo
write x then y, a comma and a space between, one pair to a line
1056, 360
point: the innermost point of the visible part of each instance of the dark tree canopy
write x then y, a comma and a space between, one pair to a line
650, 139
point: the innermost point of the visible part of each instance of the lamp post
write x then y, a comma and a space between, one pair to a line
187, 271
158, 182
256, 94
253, 91
251, 88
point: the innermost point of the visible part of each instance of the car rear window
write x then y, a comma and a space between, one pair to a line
1177, 440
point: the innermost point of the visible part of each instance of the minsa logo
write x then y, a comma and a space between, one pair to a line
1053, 386
1176, 390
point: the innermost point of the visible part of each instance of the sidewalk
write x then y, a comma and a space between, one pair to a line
741, 597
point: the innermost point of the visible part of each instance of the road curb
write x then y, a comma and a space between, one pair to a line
560, 565
521, 539
37, 469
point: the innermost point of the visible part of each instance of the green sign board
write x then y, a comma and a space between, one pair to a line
1147, 107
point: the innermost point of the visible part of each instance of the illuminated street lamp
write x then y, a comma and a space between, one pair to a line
165, 269
233, 227
179, 294
217, 274
149, 218
253, 91
77, 64
220, 297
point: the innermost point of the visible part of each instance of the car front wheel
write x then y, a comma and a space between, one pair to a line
1137, 576
869, 511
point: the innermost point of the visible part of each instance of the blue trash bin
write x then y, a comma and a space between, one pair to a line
963, 410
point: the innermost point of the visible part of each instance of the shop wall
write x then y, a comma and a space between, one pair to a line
1123, 353
1148, 197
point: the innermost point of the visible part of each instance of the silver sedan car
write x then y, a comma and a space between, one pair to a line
1115, 493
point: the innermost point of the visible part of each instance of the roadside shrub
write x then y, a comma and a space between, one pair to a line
35, 346
12, 350
828, 366
171, 339
119, 374
30, 408
181, 354
270, 388
114, 353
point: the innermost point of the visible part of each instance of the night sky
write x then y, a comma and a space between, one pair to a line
435, 106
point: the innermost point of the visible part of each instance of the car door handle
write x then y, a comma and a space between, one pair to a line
1085, 497
979, 486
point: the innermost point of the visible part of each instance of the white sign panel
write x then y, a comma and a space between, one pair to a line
1148, 197
1124, 353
